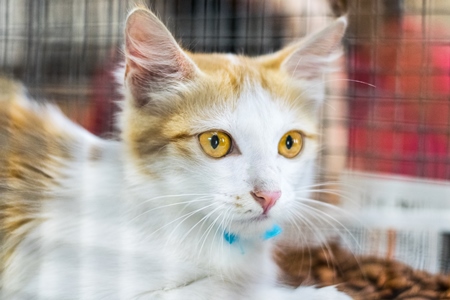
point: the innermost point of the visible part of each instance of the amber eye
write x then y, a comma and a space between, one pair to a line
290, 144
215, 143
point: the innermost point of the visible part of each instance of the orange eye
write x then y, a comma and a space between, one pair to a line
216, 144
290, 144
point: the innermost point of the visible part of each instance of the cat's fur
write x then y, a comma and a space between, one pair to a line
145, 217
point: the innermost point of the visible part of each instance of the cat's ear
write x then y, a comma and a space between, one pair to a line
311, 58
155, 63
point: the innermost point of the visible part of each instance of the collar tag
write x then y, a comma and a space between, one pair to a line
271, 233
230, 237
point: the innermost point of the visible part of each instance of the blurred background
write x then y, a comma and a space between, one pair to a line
386, 125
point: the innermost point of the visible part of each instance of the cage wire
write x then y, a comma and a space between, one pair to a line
63, 50
402, 125
391, 116
398, 125
388, 111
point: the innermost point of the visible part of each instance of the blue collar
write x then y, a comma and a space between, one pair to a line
232, 238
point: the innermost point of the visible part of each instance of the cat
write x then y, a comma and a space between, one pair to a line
215, 154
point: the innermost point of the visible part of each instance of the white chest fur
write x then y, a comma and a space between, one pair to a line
90, 246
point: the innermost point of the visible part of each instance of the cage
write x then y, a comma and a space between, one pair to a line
398, 122
388, 110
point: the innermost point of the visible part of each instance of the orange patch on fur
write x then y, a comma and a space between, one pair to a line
220, 83
29, 144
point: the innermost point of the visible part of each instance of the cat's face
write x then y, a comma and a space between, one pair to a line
238, 133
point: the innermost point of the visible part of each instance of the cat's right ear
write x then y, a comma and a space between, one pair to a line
311, 58
155, 63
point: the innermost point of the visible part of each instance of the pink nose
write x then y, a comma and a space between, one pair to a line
266, 199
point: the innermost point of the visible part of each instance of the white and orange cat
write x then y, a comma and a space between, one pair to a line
216, 152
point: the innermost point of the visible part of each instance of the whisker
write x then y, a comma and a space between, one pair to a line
185, 216
205, 234
321, 214
172, 196
222, 225
318, 215
333, 80
323, 240
201, 199
305, 242
188, 215
201, 220
329, 206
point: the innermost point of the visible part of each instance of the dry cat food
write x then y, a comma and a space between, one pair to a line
364, 278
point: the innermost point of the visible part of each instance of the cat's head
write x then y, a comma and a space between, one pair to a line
239, 134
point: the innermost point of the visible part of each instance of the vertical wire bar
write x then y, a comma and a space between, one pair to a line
36, 41
233, 25
372, 153
397, 136
262, 23
420, 159
247, 27
109, 31
176, 17
374, 39
30, 18
205, 11
41, 70
218, 19
5, 37
447, 177
120, 17
351, 101
192, 36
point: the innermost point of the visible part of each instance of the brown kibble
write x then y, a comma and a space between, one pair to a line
364, 278
358, 284
445, 295
430, 294
370, 289
429, 283
353, 274
326, 275
372, 271
398, 268
382, 280
413, 291
324, 257
373, 296
420, 275
346, 260
385, 294
399, 283
444, 281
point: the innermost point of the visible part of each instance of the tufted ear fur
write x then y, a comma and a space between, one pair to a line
311, 58
155, 63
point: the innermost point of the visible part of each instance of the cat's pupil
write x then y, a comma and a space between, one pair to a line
214, 141
289, 142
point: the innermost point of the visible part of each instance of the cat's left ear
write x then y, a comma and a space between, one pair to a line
310, 59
